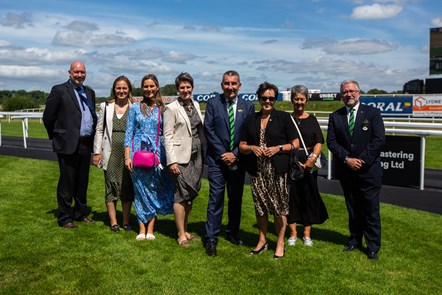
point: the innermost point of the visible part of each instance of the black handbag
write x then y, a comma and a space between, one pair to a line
296, 172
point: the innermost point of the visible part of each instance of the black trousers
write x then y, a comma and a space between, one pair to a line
73, 182
362, 200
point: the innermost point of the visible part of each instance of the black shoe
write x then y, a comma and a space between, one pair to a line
263, 248
349, 248
115, 228
211, 248
127, 228
372, 255
69, 225
86, 220
279, 257
234, 240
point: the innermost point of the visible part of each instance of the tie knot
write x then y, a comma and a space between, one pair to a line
231, 102
79, 89
352, 110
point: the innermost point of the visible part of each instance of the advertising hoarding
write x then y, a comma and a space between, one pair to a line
435, 51
390, 105
429, 105
400, 159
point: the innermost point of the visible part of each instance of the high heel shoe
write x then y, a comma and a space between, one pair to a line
279, 257
263, 248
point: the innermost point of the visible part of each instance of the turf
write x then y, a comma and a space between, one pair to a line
38, 257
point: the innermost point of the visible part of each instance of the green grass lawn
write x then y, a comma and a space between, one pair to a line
38, 257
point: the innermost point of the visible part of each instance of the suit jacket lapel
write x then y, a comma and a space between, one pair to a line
240, 117
343, 118
223, 106
70, 90
182, 113
360, 117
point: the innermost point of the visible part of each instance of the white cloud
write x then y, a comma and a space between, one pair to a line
37, 56
437, 22
178, 57
77, 39
82, 26
16, 20
24, 72
360, 47
350, 46
376, 11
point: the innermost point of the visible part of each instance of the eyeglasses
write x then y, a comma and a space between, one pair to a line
351, 91
269, 98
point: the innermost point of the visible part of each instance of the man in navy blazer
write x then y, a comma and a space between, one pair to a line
70, 121
224, 166
357, 161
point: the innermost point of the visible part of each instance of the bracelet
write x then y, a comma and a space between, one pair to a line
250, 148
313, 155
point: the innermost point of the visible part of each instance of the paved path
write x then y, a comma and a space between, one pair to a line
429, 199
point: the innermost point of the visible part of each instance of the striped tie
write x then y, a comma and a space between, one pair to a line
351, 121
231, 124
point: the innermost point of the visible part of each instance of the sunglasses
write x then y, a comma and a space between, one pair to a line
269, 98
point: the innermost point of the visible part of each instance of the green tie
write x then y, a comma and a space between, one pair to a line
351, 121
231, 124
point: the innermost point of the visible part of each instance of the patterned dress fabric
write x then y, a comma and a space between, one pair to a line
269, 189
188, 182
117, 177
154, 187
306, 205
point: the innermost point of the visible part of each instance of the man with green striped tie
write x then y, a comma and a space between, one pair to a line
355, 136
223, 120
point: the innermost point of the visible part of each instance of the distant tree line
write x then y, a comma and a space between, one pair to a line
11, 100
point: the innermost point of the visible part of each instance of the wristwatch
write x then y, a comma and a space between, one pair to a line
346, 160
280, 148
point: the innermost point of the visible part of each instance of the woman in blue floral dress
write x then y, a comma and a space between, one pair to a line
153, 186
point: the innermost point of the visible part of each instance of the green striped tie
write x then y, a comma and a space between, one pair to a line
351, 121
231, 124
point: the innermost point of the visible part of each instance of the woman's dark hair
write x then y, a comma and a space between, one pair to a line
183, 77
129, 85
263, 87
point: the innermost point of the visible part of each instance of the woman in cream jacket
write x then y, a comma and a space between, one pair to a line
183, 142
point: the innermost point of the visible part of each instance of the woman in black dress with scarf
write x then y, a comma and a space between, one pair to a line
305, 205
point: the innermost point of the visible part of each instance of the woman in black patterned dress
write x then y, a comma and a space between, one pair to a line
268, 137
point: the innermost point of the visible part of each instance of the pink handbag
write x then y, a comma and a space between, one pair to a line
145, 159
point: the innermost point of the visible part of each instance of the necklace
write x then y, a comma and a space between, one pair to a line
148, 109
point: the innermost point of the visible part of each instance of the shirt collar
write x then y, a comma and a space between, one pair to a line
356, 107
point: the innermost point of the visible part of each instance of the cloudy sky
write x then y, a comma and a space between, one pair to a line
318, 43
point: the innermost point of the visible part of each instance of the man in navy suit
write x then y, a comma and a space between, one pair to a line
356, 135
224, 167
70, 121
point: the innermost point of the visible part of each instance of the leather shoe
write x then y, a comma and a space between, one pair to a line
279, 256
234, 240
263, 248
70, 225
211, 248
87, 220
372, 255
349, 248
